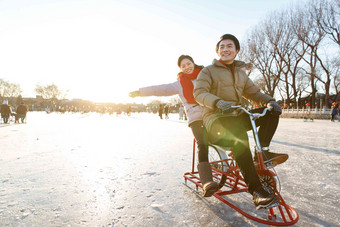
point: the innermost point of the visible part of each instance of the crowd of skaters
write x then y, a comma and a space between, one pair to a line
165, 109
21, 110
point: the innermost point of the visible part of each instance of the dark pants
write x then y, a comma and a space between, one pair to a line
18, 116
333, 117
200, 135
232, 132
5, 116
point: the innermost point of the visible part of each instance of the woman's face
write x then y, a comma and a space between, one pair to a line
187, 66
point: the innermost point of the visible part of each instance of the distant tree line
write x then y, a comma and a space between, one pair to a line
8, 90
50, 94
11, 90
296, 52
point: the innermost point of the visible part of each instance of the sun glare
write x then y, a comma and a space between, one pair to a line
102, 50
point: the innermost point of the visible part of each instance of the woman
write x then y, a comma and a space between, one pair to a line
334, 111
184, 88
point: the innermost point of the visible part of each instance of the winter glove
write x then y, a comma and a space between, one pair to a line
134, 94
223, 105
275, 108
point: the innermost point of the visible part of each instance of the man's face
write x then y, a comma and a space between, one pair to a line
227, 51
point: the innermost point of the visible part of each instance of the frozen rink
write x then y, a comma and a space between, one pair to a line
100, 170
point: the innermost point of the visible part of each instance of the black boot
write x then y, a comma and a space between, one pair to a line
271, 158
263, 199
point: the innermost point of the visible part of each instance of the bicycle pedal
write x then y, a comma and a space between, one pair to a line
267, 164
267, 207
273, 205
270, 164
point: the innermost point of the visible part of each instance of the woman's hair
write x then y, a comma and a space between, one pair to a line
182, 57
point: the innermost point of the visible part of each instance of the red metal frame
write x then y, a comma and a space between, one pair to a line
281, 215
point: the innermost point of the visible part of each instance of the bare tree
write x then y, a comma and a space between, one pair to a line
293, 59
336, 83
155, 102
329, 69
260, 82
9, 90
302, 84
3, 88
289, 52
307, 31
261, 54
244, 56
51, 93
287, 47
14, 90
175, 101
336, 76
284, 55
279, 34
327, 16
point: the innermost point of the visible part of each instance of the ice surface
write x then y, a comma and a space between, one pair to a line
101, 170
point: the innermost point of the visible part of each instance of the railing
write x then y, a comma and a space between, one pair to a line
304, 110
316, 113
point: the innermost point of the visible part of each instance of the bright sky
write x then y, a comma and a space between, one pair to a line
100, 50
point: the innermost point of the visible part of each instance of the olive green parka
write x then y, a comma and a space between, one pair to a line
216, 82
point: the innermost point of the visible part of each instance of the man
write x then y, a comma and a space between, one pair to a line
21, 112
222, 85
6, 111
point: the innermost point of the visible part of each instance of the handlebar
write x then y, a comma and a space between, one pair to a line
247, 111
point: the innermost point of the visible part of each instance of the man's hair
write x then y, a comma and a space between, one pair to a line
231, 37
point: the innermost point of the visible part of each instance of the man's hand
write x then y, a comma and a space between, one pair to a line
275, 108
223, 105
248, 66
134, 94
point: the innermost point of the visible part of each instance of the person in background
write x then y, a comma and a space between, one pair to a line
21, 112
128, 110
166, 111
181, 113
222, 85
334, 111
118, 111
5, 111
160, 111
